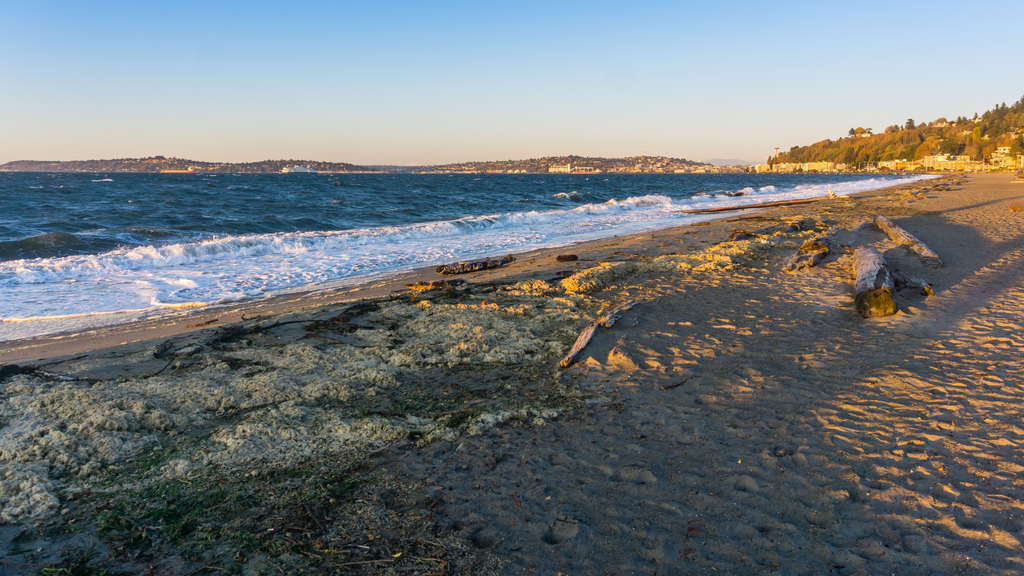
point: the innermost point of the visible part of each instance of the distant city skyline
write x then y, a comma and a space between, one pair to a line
404, 83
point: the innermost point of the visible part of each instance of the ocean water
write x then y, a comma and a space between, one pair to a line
83, 250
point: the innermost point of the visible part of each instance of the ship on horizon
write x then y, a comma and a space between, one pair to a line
297, 170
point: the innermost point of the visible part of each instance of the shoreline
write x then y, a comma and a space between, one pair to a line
739, 419
529, 265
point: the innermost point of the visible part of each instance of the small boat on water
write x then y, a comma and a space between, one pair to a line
297, 170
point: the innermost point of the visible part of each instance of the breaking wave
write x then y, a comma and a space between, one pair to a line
128, 280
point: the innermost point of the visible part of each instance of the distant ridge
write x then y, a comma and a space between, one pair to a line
158, 163
730, 162
581, 164
584, 164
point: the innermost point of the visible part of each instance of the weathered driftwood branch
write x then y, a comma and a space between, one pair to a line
905, 282
476, 266
874, 287
812, 252
901, 236
750, 206
588, 333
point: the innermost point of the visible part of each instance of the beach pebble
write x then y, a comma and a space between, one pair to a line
746, 484
704, 399
646, 477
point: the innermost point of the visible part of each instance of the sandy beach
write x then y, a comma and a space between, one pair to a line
740, 419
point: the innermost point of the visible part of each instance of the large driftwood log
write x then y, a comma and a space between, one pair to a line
901, 236
476, 266
812, 252
588, 333
751, 206
874, 288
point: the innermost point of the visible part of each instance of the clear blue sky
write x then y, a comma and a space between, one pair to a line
420, 82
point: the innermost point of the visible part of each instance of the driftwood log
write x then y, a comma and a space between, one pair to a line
874, 289
904, 281
812, 252
901, 236
751, 206
475, 266
588, 333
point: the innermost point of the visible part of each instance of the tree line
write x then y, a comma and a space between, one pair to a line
977, 137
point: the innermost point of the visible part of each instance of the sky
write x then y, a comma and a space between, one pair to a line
411, 83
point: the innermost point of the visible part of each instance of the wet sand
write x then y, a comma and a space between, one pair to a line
739, 420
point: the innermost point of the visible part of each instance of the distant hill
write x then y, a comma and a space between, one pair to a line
977, 138
586, 163
730, 162
635, 164
158, 163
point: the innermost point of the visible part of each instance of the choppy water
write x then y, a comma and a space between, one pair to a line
81, 250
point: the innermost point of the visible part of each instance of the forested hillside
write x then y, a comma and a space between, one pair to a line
976, 137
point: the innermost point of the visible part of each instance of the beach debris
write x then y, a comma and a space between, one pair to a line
631, 255
322, 337
567, 258
740, 234
750, 206
812, 252
676, 385
588, 333
207, 323
721, 256
904, 238
163, 349
434, 285
9, 370
874, 287
1017, 206
475, 266
904, 281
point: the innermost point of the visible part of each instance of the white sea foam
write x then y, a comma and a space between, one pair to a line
53, 294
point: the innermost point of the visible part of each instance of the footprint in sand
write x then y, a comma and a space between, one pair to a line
561, 530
